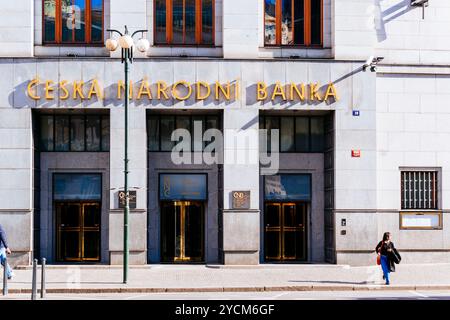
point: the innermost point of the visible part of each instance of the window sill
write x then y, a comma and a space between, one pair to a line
185, 51
417, 215
72, 45
317, 47
421, 210
296, 52
185, 46
70, 51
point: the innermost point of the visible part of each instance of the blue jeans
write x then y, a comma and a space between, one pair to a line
2, 259
385, 267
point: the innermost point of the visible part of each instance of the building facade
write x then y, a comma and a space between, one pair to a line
261, 131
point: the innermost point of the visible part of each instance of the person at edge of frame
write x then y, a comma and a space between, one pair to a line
4, 250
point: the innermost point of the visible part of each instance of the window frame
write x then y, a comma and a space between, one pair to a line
437, 213
307, 26
435, 185
198, 26
85, 149
58, 27
262, 125
158, 117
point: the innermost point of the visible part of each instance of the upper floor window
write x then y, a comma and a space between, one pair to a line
184, 22
293, 22
73, 21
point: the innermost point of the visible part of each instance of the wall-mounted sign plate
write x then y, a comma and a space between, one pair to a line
132, 194
356, 113
240, 199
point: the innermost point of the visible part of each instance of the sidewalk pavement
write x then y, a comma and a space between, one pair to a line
219, 278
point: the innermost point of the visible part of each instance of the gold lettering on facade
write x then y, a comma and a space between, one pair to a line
30, 88
49, 90
121, 87
331, 92
62, 86
261, 91
226, 91
300, 93
314, 92
78, 90
183, 90
162, 90
175, 93
201, 85
95, 89
144, 89
278, 91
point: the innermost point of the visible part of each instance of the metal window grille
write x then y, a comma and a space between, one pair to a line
419, 189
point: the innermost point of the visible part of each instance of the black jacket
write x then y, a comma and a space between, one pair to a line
3, 242
391, 252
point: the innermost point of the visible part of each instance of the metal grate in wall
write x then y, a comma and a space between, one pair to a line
419, 189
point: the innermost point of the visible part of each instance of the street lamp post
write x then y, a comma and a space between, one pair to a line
127, 46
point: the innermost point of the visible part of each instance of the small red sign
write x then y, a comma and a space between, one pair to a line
356, 153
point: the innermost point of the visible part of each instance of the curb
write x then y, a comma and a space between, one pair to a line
233, 289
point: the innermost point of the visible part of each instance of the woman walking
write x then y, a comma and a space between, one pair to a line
389, 256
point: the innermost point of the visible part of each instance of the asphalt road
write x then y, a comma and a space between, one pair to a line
312, 295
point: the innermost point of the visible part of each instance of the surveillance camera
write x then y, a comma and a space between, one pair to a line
368, 63
373, 69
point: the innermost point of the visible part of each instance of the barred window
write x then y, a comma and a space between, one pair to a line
419, 189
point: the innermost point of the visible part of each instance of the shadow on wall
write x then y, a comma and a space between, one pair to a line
386, 16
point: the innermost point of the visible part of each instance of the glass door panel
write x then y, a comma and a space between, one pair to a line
273, 231
179, 227
289, 232
78, 231
193, 231
168, 232
285, 236
70, 245
91, 232
91, 245
70, 216
182, 231
300, 223
68, 231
